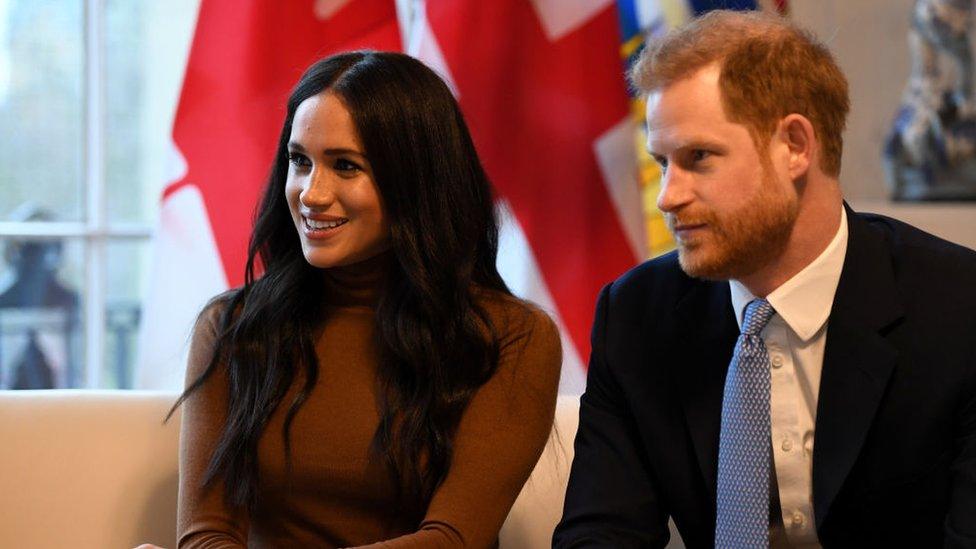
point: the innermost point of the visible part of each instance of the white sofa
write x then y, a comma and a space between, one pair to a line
87, 469
98, 469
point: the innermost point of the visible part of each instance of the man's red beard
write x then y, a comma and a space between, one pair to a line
738, 243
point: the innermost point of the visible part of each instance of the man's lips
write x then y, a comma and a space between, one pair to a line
687, 227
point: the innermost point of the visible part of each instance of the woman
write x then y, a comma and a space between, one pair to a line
378, 384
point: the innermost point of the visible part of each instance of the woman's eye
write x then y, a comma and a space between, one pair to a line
343, 165
299, 160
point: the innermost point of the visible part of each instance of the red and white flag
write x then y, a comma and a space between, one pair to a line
542, 88
541, 83
244, 60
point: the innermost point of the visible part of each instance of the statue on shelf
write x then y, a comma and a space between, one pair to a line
930, 153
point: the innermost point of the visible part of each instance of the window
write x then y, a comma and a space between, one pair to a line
87, 94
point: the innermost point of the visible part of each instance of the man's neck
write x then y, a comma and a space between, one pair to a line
816, 224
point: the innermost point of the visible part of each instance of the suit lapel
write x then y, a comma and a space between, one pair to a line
858, 361
707, 331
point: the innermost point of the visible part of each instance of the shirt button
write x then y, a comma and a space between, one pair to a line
797, 520
787, 445
777, 361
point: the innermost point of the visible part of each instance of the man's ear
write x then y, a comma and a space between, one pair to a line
796, 132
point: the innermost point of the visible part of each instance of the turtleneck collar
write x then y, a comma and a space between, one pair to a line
359, 284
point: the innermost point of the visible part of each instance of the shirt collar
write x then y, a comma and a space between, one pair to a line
803, 301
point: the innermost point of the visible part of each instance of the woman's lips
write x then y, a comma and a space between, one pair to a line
318, 229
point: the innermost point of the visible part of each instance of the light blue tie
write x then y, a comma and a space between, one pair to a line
743, 449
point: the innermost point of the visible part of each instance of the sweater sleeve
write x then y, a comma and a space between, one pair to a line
498, 442
203, 520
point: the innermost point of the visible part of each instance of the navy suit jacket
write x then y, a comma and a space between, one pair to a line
894, 461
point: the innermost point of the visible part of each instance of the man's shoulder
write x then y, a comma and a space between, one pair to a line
655, 283
911, 239
661, 271
915, 251
923, 261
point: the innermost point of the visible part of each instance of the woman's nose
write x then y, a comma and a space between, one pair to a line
319, 190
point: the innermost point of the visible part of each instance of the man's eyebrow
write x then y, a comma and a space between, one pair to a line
692, 143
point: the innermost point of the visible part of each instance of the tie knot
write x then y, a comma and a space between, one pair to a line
757, 315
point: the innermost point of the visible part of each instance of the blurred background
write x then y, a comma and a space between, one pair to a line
90, 89
87, 96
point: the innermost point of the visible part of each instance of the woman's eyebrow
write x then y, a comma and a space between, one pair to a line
343, 150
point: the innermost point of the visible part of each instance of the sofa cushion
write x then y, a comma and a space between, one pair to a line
87, 469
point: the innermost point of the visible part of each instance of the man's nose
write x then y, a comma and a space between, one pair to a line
675, 191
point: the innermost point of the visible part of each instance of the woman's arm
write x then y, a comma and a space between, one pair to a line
498, 442
203, 520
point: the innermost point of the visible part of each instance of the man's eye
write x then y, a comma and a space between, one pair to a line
698, 155
299, 160
662, 162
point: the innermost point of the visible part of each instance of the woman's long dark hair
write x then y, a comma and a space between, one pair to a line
437, 346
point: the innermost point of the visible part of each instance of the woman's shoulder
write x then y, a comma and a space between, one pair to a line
211, 316
514, 320
207, 329
529, 346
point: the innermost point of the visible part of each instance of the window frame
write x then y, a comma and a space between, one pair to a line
96, 231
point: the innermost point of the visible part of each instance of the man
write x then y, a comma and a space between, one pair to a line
796, 374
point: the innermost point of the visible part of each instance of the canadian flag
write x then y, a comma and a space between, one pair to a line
244, 60
541, 84
542, 88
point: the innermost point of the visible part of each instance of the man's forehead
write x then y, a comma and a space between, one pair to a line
674, 130
652, 100
687, 111
666, 140
696, 86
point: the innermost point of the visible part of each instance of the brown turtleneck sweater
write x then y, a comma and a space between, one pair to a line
334, 496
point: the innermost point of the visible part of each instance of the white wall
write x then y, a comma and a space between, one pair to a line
870, 41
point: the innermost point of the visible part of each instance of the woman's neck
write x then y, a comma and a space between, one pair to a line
359, 284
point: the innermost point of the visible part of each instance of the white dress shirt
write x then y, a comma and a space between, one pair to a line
795, 338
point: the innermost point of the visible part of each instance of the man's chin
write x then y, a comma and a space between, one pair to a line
697, 263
